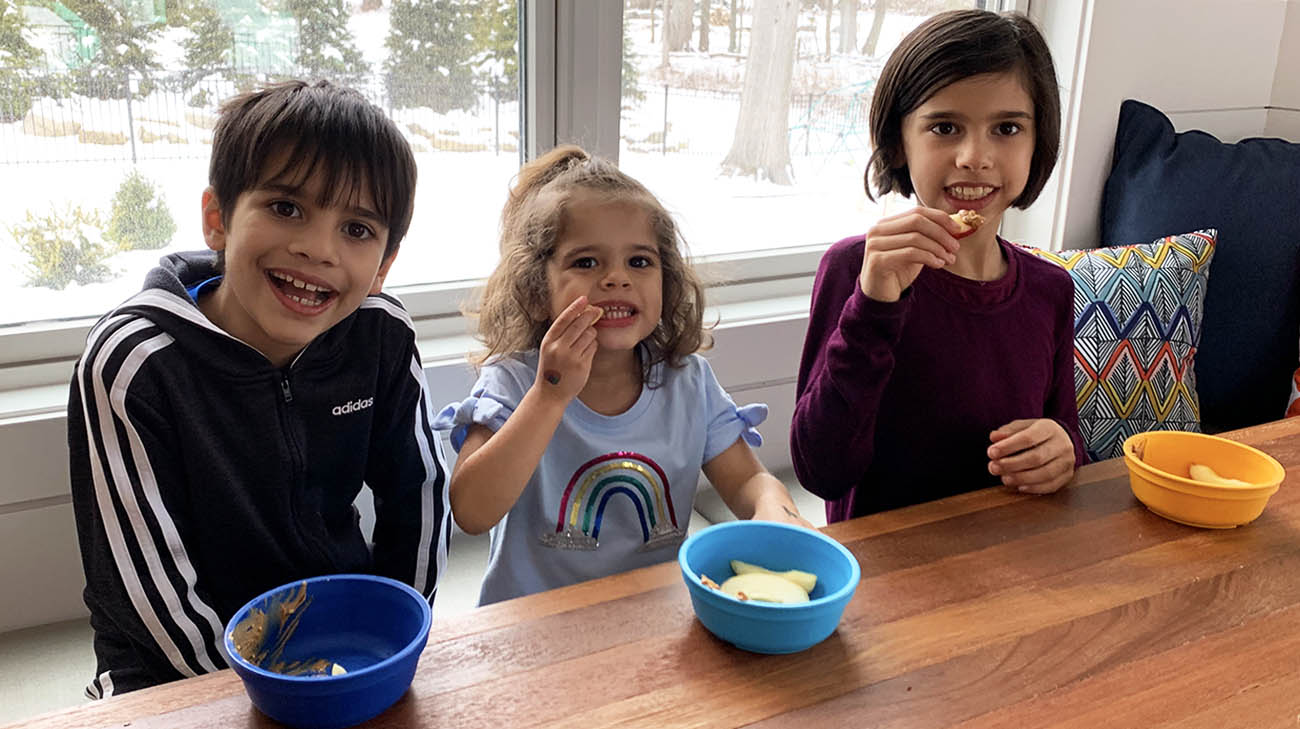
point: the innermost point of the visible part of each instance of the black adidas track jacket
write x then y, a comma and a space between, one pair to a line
202, 475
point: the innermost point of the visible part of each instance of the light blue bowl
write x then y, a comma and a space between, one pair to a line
373, 626
762, 627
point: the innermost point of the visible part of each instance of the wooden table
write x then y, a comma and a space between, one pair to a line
984, 610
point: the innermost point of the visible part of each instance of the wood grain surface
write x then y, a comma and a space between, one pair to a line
988, 610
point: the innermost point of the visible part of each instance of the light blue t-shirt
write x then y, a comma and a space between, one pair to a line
611, 493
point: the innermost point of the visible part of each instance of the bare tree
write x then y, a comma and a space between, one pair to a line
678, 24
663, 37
848, 26
877, 22
705, 9
761, 145
733, 36
830, 14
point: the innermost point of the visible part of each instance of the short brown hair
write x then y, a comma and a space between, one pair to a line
532, 224
316, 124
945, 49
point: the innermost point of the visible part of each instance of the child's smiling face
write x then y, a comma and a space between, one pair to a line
293, 268
609, 254
970, 145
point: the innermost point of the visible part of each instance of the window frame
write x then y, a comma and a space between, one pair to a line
571, 55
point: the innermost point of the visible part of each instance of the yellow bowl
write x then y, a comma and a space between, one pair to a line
1158, 464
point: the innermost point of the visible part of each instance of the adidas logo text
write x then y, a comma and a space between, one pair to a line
352, 407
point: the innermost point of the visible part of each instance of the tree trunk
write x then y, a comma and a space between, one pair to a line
678, 24
830, 14
653, 5
705, 9
663, 37
877, 22
370, 5
761, 146
848, 26
733, 31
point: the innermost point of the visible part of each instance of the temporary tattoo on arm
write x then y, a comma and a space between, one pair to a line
552, 377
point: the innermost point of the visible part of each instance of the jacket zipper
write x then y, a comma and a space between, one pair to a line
295, 457
299, 467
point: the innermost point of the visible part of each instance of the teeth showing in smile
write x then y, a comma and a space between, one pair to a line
305, 302
299, 284
314, 295
617, 312
970, 193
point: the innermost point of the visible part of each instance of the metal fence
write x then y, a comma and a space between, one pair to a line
93, 120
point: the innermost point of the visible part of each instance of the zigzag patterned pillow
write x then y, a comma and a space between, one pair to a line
1137, 324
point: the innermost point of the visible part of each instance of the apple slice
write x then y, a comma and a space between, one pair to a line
1209, 475
764, 587
805, 580
969, 220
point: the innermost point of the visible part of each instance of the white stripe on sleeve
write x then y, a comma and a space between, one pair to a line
107, 403
431, 453
393, 310
180, 559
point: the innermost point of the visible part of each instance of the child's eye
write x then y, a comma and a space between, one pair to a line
1007, 129
944, 129
285, 209
642, 262
584, 262
359, 230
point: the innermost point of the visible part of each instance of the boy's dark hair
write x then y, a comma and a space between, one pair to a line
317, 125
947, 48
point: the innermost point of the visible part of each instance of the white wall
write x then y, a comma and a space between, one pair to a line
1284, 116
1231, 68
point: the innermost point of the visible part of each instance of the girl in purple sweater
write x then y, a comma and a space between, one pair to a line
933, 365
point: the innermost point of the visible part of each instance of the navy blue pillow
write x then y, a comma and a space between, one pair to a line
1162, 183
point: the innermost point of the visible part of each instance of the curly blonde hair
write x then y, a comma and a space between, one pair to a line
532, 224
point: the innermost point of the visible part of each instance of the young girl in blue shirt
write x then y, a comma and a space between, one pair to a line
582, 442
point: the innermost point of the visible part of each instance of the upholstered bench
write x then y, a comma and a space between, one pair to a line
1189, 316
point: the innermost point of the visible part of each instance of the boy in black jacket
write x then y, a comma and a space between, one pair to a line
221, 422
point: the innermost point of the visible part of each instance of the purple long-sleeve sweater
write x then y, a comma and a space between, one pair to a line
895, 401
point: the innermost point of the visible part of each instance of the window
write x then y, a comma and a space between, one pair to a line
787, 170
107, 106
106, 109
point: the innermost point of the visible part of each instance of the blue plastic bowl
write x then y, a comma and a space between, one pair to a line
762, 627
372, 626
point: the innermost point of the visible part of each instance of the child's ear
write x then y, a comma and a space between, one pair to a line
214, 230
382, 274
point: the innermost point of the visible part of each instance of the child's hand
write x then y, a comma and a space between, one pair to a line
1033, 456
772, 510
567, 350
898, 246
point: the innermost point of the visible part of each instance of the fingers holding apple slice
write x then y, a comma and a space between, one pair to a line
969, 220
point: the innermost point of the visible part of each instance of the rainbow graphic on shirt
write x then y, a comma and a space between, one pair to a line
600, 480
